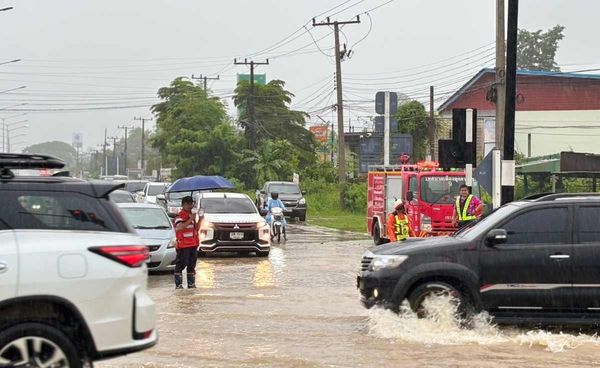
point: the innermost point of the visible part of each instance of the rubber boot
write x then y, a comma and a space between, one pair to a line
178, 281
191, 280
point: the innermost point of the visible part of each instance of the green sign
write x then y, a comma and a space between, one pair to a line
260, 79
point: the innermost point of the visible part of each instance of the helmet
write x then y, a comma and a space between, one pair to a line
399, 204
274, 195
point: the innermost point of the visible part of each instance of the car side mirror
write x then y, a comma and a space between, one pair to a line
303, 192
161, 197
495, 237
262, 192
410, 196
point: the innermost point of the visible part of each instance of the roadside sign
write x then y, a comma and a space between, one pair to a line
483, 173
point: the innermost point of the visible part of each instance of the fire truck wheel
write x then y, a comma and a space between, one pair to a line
377, 234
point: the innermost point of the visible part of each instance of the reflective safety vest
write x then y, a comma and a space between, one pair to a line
401, 227
187, 237
463, 213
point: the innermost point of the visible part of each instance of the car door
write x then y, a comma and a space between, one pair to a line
532, 270
586, 258
8, 263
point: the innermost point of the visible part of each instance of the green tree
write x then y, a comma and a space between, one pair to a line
412, 119
273, 160
58, 149
193, 132
537, 50
273, 117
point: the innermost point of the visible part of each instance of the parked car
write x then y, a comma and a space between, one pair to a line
533, 260
72, 271
230, 222
121, 196
150, 191
156, 229
289, 193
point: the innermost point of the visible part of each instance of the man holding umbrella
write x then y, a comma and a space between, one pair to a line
186, 232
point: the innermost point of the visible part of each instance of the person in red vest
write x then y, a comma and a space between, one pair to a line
186, 232
399, 226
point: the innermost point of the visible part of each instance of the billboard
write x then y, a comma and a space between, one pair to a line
321, 133
77, 140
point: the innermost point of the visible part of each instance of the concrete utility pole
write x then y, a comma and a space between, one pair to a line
115, 153
252, 123
508, 192
340, 101
143, 120
500, 75
205, 78
104, 152
125, 146
432, 127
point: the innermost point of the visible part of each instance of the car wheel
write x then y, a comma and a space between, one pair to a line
377, 234
302, 218
40, 344
263, 253
418, 296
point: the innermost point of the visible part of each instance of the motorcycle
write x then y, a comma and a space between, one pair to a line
277, 224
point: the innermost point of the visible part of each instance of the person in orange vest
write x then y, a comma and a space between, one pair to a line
186, 232
399, 225
468, 208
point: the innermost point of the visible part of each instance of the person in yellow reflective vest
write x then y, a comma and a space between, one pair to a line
467, 208
399, 226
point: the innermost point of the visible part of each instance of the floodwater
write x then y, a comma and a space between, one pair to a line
300, 308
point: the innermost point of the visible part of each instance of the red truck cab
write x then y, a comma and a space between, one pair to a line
429, 195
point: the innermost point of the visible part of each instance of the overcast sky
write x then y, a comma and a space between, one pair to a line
93, 64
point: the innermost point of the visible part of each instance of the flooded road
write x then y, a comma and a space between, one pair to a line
300, 308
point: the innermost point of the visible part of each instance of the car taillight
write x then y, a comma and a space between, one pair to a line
128, 255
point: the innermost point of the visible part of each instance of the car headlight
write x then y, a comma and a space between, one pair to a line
172, 243
387, 262
302, 201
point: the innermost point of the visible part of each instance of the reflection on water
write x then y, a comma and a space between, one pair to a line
263, 274
442, 327
205, 275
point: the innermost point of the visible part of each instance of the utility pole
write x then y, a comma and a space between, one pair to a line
529, 145
508, 192
115, 153
143, 120
205, 78
500, 75
252, 123
432, 127
104, 152
340, 101
125, 146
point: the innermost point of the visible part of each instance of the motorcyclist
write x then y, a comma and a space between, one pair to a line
274, 202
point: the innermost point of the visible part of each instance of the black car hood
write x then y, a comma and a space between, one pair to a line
415, 245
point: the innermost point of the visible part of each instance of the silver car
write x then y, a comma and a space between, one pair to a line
156, 229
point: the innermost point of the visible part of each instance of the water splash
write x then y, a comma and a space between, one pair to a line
442, 326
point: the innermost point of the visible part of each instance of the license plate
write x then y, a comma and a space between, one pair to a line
236, 236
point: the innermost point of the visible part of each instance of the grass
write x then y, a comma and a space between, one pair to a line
337, 219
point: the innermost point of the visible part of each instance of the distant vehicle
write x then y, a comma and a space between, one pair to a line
289, 193
530, 261
121, 196
150, 191
171, 202
72, 272
428, 193
155, 227
134, 186
230, 222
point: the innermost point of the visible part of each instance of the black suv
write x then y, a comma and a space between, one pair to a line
530, 261
289, 193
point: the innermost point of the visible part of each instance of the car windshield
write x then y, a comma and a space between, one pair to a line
134, 187
147, 218
476, 228
227, 205
121, 196
440, 189
156, 189
284, 188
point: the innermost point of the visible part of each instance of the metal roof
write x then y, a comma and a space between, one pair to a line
522, 72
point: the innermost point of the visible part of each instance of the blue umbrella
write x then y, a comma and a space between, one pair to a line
200, 182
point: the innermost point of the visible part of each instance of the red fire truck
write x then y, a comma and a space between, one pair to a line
428, 192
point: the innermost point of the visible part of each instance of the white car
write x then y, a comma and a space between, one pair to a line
73, 274
156, 229
150, 191
230, 222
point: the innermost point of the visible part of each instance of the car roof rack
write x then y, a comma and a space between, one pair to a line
555, 196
